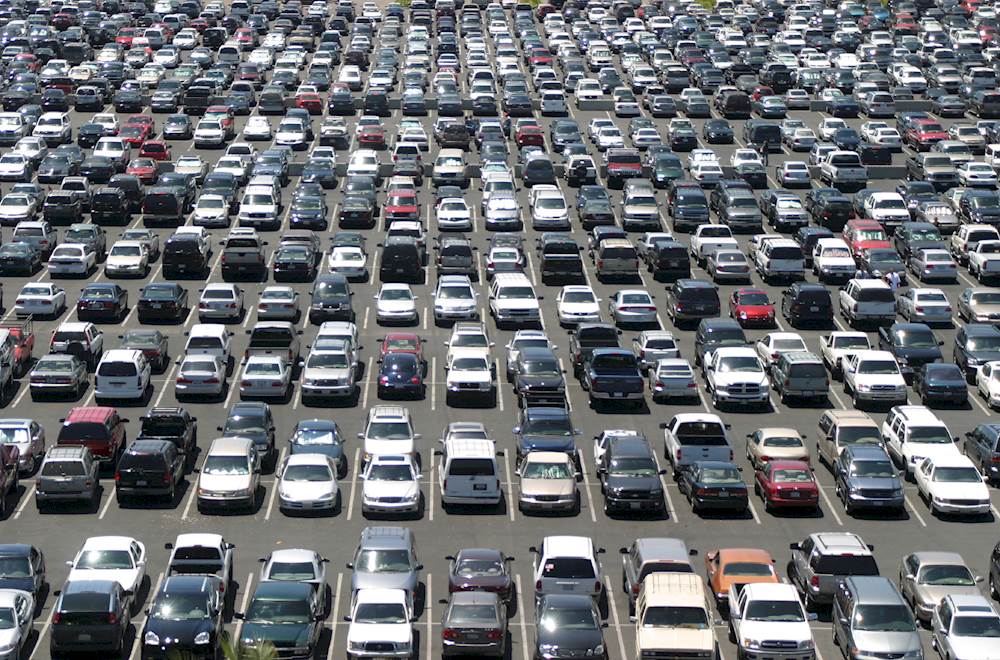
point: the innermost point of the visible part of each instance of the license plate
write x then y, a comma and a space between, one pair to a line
634, 505
567, 587
879, 503
814, 308
795, 494
479, 487
156, 306
618, 395
84, 637
117, 382
723, 493
142, 483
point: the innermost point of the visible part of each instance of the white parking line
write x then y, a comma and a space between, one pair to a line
430, 489
107, 505
510, 487
586, 487
274, 486
522, 615
191, 498
424, 316
496, 370
368, 383
753, 511
671, 511
21, 395
433, 376
45, 629
829, 505
234, 386
140, 623
609, 590
163, 390
913, 509
429, 611
29, 495
335, 612
356, 466
243, 605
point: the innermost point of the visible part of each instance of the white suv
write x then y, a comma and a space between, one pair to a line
122, 374
874, 377
388, 430
455, 299
913, 433
513, 300
554, 559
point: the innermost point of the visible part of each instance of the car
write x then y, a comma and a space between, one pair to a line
22, 569
784, 483
380, 617
41, 299
170, 628
57, 375
474, 622
162, 301
633, 307
105, 606
308, 482
152, 344
278, 303
391, 485
283, 610
775, 443
728, 567
395, 303
107, 302
120, 559
479, 570
576, 304
923, 304
548, 483
300, 566
714, 485
952, 485
221, 302
963, 621
569, 622
266, 376
922, 574
751, 307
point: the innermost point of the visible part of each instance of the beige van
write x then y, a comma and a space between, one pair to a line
673, 619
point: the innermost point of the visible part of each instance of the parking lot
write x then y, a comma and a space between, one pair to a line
59, 534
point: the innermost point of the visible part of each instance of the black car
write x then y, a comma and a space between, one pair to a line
517, 105
715, 485
252, 420
90, 616
356, 211
286, 614
805, 302
19, 258
162, 301
149, 469
538, 378
807, 237
54, 100
185, 618
294, 262
718, 131
400, 374
127, 100
308, 212
937, 383
692, 300
569, 623
54, 168
716, 333
912, 344
22, 567
182, 255
976, 344
321, 172
878, 262
173, 424
88, 135
102, 302
630, 477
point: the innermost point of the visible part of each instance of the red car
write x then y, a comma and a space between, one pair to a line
864, 234
28, 60
144, 168
750, 306
924, 133
310, 101
134, 134
141, 120
403, 342
760, 91
530, 135
125, 36
786, 484
402, 205
199, 24
372, 137
155, 149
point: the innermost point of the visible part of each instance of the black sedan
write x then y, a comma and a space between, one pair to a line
54, 168
400, 374
102, 302
717, 131
570, 623
162, 301
185, 619
517, 105
19, 258
937, 382
97, 169
88, 135
294, 262
715, 485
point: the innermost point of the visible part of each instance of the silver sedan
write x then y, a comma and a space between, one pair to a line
266, 376
633, 307
933, 264
200, 376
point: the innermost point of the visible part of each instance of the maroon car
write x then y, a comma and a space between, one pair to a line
480, 569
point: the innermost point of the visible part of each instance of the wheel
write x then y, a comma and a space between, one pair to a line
993, 587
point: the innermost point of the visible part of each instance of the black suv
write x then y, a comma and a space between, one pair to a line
805, 302
715, 333
173, 424
630, 477
691, 300
91, 616
668, 261
149, 468
560, 257
182, 255
185, 595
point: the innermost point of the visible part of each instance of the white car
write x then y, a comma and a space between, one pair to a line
769, 612
829, 126
988, 383
127, 258
966, 627
200, 376
257, 128
17, 612
453, 213
873, 377
209, 133
577, 304
351, 261
470, 375
72, 259
632, 306
193, 165
455, 299
973, 174
395, 303
734, 374
40, 299
706, 173
391, 484
609, 137
773, 344
380, 618
291, 133
221, 301
835, 346
308, 482
211, 211
952, 485
363, 162
266, 376
118, 558
278, 303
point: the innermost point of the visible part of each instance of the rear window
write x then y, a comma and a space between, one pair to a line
618, 253
75, 605
807, 371
160, 203
815, 297
786, 253
845, 565
700, 294
878, 295
196, 553
573, 568
701, 434
63, 469
270, 338
205, 342
665, 567
82, 432
141, 462
181, 247
116, 369
471, 467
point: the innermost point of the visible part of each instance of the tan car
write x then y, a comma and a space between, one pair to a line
548, 483
776, 443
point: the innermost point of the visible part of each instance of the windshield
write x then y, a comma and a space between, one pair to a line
933, 435
226, 465
105, 560
279, 611
746, 364
297, 571
307, 473
478, 567
7, 618
879, 367
570, 618
873, 469
883, 618
15, 567
632, 467
380, 613
389, 472
984, 344
180, 607
383, 561
946, 575
539, 470
328, 360
774, 610
693, 618
389, 430
720, 476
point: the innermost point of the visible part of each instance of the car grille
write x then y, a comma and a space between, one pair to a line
547, 498
380, 647
632, 494
875, 494
467, 386
677, 655
887, 656
389, 500
745, 388
883, 388
778, 644
965, 502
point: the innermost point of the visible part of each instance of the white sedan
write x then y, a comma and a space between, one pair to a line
40, 299
453, 213
391, 484
308, 483
278, 303
221, 302
72, 259
952, 485
973, 174
774, 344
988, 383
634, 306
351, 261
257, 128
118, 558
395, 303
266, 376
577, 304
127, 258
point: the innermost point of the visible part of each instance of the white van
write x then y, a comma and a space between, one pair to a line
468, 472
122, 374
513, 300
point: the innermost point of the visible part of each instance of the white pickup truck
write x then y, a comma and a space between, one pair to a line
835, 346
691, 437
709, 238
772, 612
874, 377
844, 171
984, 261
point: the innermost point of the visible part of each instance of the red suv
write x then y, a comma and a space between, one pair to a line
98, 428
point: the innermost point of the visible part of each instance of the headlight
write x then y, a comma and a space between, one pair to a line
202, 637
864, 388
597, 650
751, 643
805, 645
325, 496
151, 638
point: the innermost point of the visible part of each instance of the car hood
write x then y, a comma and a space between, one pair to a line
534, 442
571, 639
375, 446
886, 642
326, 372
458, 375
932, 595
783, 630
404, 489
126, 577
923, 354
178, 632
974, 647
224, 482
559, 487
118, 260
305, 490
286, 634
985, 356
737, 377
380, 632
22, 584
958, 491
397, 305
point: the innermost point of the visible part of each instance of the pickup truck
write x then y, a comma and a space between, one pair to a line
243, 254
692, 437
937, 169
9, 455
612, 374
202, 554
836, 346
984, 261
968, 237
588, 336
791, 630
23, 332
734, 375
173, 424
844, 171
709, 238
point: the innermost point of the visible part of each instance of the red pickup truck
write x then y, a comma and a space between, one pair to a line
23, 333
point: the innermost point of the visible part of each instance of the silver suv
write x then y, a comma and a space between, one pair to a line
68, 474
821, 562
386, 558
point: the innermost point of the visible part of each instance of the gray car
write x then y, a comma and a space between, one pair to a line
568, 626
386, 558
871, 620
57, 375
927, 577
68, 474
866, 479
474, 623
822, 560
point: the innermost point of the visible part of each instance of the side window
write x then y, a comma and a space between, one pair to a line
136, 552
946, 615
824, 424
807, 546
912, 565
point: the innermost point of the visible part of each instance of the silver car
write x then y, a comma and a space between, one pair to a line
673, 378
279, 303
330, 372
933, 264
57, 375
924, 305
927, 577
29, 437
200, 376
386, 558
266, 376
308, 482
525, 339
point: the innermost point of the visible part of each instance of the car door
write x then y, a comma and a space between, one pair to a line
922, 475
800, 560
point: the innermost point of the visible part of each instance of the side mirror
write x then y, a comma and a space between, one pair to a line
532, 549
812, 616
793, 546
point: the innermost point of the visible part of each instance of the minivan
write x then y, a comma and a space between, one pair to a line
401, 260
468, 472
871, 619
652, 555
122, 374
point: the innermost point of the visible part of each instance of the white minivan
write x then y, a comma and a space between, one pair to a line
468, 472
122, 374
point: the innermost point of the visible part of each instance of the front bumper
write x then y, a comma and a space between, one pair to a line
546, 503
962, 507
389, 505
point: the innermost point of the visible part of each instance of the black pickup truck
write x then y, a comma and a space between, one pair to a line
588, 336
173, 424
560, 257
612, 375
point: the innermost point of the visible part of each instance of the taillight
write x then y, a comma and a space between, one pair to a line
678, 456
414, 380
449, 633
212, 380
814, 581
118, 476
112, 617
57, 617
166, 478
538, 585
445, 487
495, 634
597, 586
